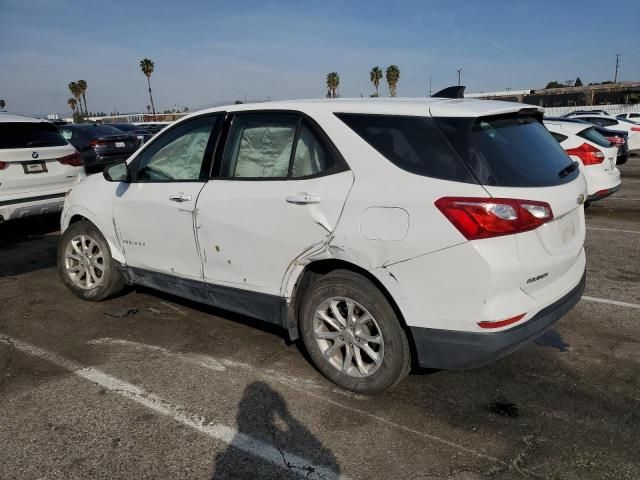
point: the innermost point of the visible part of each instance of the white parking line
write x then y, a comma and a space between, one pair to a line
216, 431
613, 230
610, 302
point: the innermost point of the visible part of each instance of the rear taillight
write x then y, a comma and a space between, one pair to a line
589, 154
478, 218
98, 143
73, 160
635, 129
616, 140
3, 165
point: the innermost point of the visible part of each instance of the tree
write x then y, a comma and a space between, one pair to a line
75, 91
554, 84
376, 75
333, 82
148, 108
393, 77
73, 104
147, 67
82, 88
578, 82
2, 104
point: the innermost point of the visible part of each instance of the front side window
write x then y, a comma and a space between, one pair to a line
260, 146
179, 155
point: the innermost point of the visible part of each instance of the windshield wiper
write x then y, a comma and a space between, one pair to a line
572, 167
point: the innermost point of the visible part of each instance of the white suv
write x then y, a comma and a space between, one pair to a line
37, 167
381, 232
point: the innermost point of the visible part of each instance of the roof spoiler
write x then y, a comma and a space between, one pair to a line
456, 91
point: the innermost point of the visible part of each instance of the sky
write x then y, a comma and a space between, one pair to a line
208, 52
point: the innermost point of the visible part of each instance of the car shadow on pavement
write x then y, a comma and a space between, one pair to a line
28, 244
264, 422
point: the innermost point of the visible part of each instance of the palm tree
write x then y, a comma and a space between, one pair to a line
333, 82
2, 104
147, 67
393, 76
72, 105
82, 88
376, 75
149, 109
75, 91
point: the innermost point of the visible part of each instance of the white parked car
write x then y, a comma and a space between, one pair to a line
381, 231
37, 167
595, 154
634, 117
613, 123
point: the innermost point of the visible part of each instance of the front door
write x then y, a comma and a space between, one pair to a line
154, 213
279, 191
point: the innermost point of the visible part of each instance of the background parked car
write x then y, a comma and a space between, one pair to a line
613, 123
37, 167
99, 145
153, 127
594, 153
634, 117
141, 134
617, 138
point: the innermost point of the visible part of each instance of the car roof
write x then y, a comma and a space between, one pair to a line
459, 107
15, 118
571, 127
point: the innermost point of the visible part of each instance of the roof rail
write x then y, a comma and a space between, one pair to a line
455, 91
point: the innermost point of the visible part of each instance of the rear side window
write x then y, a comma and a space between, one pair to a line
508, 150
414, 144
30, 135
559, 137
594, 136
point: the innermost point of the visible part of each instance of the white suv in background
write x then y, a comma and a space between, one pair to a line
613, 123
37, 167
595, 154
382, 231
634, 117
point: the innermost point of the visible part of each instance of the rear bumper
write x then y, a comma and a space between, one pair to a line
11, 209
449, 349
602, 194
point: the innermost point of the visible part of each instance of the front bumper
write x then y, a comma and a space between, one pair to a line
449, 349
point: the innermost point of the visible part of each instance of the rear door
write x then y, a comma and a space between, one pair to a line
32, 156
514, 156
279, 193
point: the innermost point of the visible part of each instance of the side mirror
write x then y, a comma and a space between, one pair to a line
118, 172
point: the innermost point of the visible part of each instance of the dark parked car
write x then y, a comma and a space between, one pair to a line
153, 127
617, 137
100, 145
141, 134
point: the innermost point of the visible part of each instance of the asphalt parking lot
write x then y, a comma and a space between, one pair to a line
148, 386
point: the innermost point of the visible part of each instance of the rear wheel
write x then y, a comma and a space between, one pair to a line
352, 333
85, 264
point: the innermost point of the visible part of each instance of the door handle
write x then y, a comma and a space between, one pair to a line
304, 199
180, 197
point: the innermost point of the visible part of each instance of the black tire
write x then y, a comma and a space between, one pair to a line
396, 358
112, 280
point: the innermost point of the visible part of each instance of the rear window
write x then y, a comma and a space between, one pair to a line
508, 150
30, 135
594, 136
101, 130
414, 144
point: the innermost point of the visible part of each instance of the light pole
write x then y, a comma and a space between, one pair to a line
459, 70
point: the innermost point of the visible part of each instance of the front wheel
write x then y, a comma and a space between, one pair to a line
352, 333
85, 264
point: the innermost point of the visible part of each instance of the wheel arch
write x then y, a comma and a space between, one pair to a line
79, 214
319, 268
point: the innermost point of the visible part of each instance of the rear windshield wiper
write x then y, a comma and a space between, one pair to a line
572, 167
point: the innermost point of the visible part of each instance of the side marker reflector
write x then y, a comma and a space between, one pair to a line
501, 323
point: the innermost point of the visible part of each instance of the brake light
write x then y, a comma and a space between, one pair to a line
98, 143
478, 218
3, 165
589, 154
501, 323
617, 140
635, 129
73, 160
